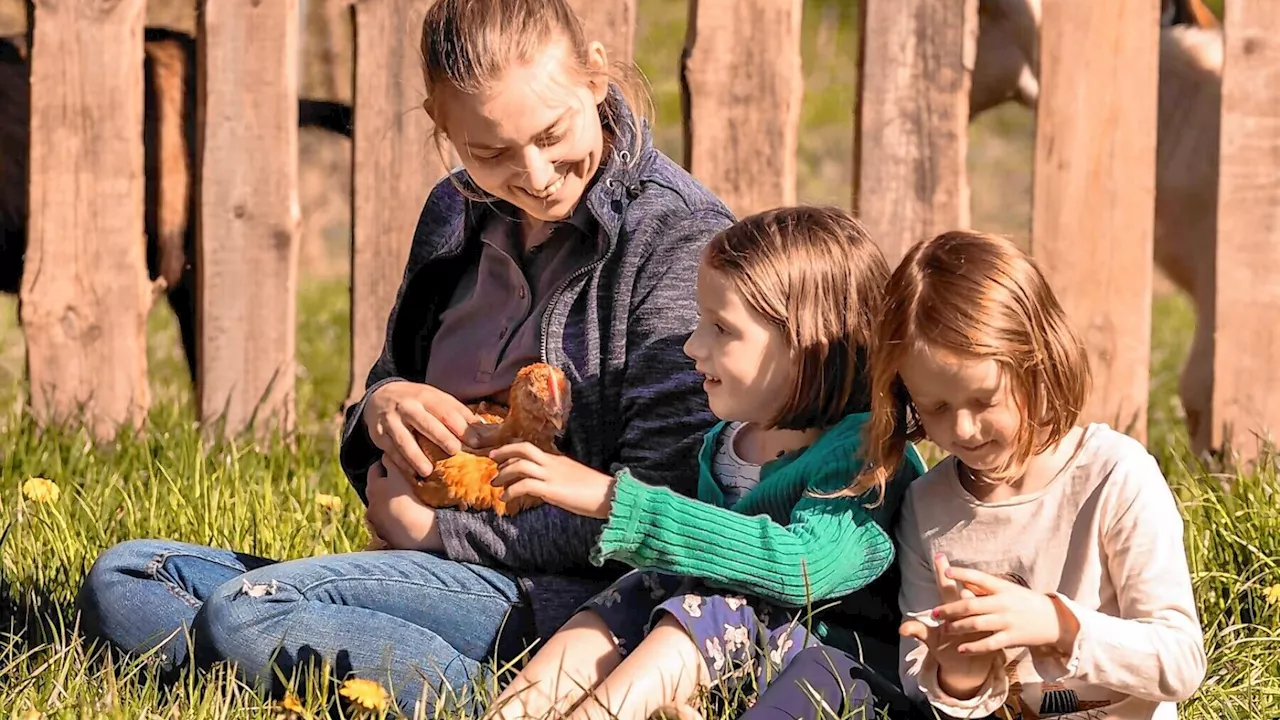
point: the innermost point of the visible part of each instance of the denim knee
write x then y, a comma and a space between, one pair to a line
230, 628
114, 568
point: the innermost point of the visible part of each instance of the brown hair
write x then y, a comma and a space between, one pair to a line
815, 274
468, 44
976, 295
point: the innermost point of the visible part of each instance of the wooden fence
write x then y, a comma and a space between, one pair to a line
1093, 196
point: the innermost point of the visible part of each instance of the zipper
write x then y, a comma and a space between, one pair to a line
559, 292
555, 298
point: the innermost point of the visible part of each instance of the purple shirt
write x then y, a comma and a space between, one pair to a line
493, 324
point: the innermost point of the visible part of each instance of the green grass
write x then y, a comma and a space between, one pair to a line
262, 499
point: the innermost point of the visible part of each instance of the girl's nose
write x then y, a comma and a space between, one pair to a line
540, 168
692, 346
964, 425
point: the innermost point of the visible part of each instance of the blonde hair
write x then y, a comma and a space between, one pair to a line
468, 44
815, 275
976, 295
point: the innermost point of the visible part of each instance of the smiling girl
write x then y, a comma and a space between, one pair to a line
566, 237
725, 581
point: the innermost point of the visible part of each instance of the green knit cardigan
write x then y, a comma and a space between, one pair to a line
777, 542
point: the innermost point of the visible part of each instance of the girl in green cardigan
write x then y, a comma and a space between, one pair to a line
787, 300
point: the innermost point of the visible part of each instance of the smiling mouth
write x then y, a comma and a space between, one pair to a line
973, 448
550, 190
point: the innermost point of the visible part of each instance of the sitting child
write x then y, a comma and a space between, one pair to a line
787, 300
1043, 568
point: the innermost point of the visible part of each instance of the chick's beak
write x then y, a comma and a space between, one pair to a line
560, 405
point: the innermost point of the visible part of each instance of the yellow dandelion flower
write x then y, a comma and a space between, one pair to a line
291, 708
332, 503
41, 490
1272, 594
366, 694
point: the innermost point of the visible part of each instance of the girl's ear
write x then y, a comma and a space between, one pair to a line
598, 66
430, 108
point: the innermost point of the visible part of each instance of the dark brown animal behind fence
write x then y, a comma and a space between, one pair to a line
15, 108
169, 140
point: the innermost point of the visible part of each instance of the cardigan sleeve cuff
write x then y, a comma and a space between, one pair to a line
620, 534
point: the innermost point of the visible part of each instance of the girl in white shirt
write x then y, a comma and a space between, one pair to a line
1043, 568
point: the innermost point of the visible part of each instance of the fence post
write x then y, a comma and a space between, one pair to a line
85, 293
742, 86
249, 217
1094, 196
396, 165
1246, 358
912, 119
612, 22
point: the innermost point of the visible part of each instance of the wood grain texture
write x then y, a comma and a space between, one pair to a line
742, 86
1246, 360
1094, 195
249, 216
612, 22
912, 118
396, 165
85, 293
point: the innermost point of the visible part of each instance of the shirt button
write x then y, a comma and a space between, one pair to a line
520, 293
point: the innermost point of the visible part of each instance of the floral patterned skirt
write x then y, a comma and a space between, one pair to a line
740, 637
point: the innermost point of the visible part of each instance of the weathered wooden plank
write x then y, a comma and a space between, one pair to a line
249, 216
743, 86
1094, 197
85, 293
612, 22
1246, 359
396, 165
912, 118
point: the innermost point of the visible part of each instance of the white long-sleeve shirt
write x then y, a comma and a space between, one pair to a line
1105, 536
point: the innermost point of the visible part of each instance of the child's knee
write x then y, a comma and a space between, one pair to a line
674, 638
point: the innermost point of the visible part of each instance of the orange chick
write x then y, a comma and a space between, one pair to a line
539, 409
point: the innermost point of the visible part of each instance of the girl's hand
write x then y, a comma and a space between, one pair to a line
961, 672
395, 513
523, 469
1007, 615
399, 411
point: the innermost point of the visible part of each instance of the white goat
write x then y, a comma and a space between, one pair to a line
1190, 91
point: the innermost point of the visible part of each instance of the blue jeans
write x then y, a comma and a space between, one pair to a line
416, 622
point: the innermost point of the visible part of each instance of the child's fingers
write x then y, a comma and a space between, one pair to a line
979, 582
981, 605
990, 643
977, 624
522, 488
914, 629
515, 470
519, 451
947, 588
